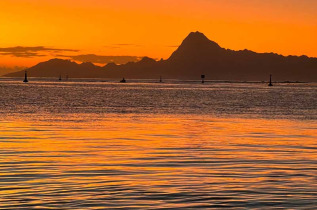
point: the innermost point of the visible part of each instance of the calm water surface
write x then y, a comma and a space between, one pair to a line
98, 145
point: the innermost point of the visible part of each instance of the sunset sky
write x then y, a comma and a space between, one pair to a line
72, 29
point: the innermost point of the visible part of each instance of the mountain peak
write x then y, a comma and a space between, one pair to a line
197, 45
196, 35
147, 60
198, 38
58, 60
87, 64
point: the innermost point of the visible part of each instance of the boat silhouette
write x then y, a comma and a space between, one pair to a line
270, 84
123, 80
203, 78
25, 77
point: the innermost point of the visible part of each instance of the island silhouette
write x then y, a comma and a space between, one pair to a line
196, 56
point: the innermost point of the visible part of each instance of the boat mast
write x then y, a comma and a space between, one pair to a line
270, 84
25, 77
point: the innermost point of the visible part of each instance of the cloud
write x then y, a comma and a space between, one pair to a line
40, 51
102, 59
29, 52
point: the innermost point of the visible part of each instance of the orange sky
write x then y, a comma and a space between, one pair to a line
152, 27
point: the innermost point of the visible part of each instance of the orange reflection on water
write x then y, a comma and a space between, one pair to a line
142, 157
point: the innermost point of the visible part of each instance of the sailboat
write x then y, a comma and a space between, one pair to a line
202, 78
161, 79
123, 80
26, 77
270, 84
60, 77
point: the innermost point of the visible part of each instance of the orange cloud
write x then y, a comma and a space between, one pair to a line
31, 51
101, 59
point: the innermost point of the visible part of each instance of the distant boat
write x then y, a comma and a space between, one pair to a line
26, 77
123, 80
203, 78
60, 77
161, 79
270, 84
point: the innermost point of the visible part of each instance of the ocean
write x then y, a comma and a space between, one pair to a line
92, 144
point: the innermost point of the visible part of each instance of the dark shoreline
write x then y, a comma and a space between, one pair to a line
149, 80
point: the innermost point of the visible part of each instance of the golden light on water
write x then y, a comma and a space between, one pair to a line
127, 139
96, 145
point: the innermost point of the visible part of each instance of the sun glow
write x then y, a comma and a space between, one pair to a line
154, 28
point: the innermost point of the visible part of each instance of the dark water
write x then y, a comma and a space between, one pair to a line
99, 145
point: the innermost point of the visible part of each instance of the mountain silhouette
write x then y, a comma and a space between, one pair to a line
196, 55
196, 46
56, 67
